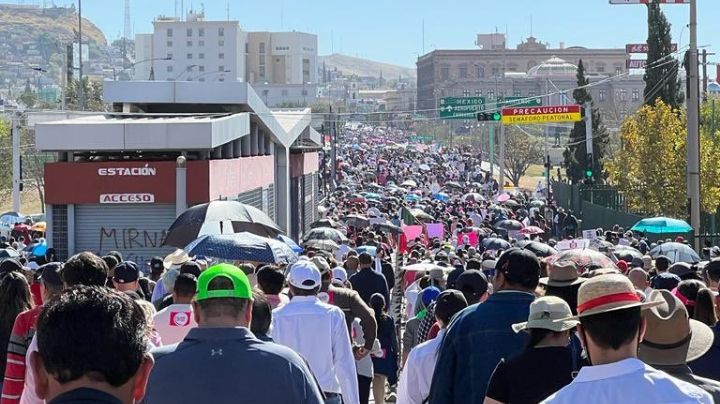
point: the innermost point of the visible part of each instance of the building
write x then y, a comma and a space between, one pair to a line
531, 69
122, 177
282, 66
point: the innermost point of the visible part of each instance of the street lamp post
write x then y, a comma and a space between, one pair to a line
187, 69
211, 73
132, 66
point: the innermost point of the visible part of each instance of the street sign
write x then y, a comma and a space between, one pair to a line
635, 63
535, 115
649, 1
643, 48
519, 102
461, 107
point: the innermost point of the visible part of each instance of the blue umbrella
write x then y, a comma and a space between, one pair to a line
442, 197
372, 250
659, 225
371, 195
242, 247
291, 243
412, 197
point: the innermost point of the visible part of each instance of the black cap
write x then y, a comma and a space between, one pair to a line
472, 282
665, 280
50, 273
156, 264
448, 303
126, 272
191, 267
9, 265
519, 266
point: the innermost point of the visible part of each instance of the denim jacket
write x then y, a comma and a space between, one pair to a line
476, 340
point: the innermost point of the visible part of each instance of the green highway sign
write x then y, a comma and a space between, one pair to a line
509, 102
461, 107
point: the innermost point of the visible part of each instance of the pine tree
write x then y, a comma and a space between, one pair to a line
661, 75
576, 152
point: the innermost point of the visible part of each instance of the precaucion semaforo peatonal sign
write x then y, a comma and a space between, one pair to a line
535, 115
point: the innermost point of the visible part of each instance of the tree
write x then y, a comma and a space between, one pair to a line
92, 92
661, 76
28, 97
521, 150
5, 156
576, 153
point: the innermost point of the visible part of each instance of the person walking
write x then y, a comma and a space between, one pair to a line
611, 328
482, 334
546, 364
14, 299
318, 332
385, 365
367, 281
221, 360
175, 321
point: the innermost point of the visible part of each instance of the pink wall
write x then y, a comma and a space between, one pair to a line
234, 176
303, 163
312, 163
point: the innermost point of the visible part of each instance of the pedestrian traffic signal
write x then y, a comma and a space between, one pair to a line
589, 166
489, 116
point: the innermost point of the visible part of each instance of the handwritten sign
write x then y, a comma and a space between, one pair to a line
589, 234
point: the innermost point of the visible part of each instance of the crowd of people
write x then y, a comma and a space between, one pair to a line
423, 282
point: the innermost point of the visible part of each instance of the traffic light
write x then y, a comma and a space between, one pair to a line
489, 116
589, 167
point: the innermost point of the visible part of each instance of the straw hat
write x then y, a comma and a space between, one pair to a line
672, 338
548, 313
175, 259
607, 293
562, 273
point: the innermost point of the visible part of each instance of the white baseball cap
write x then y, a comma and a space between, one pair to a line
304, 275
340, 274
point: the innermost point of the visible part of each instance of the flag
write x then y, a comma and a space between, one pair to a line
407, 217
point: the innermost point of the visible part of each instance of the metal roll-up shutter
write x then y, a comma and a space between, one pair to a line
60, 231
310, 200
136, 231
271, 202
252, 198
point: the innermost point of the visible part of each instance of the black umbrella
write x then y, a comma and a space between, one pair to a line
326, 233
626, 253
323, 223
508, 225
537, 248
453, 184
388, 228
495, 244
219, 217
357, 221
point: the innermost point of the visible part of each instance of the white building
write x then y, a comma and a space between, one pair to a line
282, 58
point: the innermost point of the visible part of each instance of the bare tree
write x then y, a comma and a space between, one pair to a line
521, 150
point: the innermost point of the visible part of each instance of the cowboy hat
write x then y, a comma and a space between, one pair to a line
175, 259
607, 293
562, 273
671, 337
543, 313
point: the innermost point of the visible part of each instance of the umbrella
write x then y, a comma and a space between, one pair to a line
583, 258
424, 167
9, 253
442, 197
532, 230
388, 227
412, 197
495, 244
371, 195
453, 184
503, 197
626, 253
357, 198
326, 233
326, 245
40, 226
370, 249
511, 203
537, 204
357, 221
219, 217
677, 252
409, 183
291, 243
421, 215
508, 225
473, 196
324, 223
537, 248
242, 247
425, 267
659, 225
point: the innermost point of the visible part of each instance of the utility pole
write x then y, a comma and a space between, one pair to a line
333, 150
704, 67
491, 146
501, 187
589, 135
16, 175
81, 90
693, 122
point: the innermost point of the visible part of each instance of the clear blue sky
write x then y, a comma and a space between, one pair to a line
391, 30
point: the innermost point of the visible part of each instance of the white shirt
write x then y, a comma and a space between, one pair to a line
174, 322
318, 332
628, 381
28, 394
415, 379
365, 365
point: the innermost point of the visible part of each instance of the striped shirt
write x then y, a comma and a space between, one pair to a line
20, 337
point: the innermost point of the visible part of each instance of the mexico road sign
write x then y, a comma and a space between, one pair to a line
643, 48
535, 115
519, 102
461, 107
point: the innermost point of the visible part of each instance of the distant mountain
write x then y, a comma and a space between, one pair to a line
22, 25
363, 67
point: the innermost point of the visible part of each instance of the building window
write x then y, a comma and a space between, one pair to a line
618, 70
188, 32
247, 48
201, 56
479, 71
169, 44
602, 95
169, 32
466, 93
600, 68
201, 31
478, 93
169, 69
495, 70
221, 43
201, 43
221, 55
261, 72
261, 47
622, 95
221, 68
636, 94
188, 43
201, 79
445, 73
304, 92
491, 93
201, 68
221, 79
189, 56
169, 56
517, 93
463, 72
221, 31
531, 93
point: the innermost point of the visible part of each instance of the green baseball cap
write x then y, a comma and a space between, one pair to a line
241, 284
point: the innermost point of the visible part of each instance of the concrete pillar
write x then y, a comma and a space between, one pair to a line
269, 149
282, 187
49, 222
261, 143
71, 229
254, 135
217, 153
237, 148
227, 150
180, 185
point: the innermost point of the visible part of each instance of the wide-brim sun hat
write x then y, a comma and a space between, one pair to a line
175, 259
549, 313
562, 273
607, 293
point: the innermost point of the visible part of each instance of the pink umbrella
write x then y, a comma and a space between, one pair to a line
532, 230
503, 198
